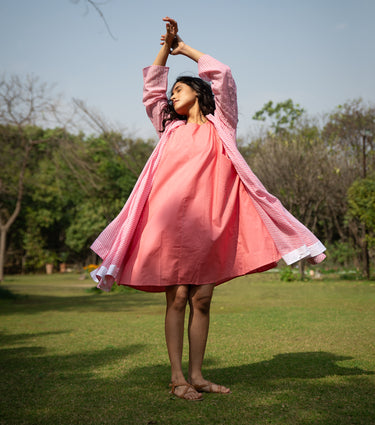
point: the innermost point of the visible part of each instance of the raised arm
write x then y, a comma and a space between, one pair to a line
156, 77
210, 69
223, 88
167, 39
155, 94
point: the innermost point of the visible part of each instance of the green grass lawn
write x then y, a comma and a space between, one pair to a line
292, 353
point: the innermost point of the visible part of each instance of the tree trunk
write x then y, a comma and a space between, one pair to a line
3, 236
301, 266
366, 256
5, 227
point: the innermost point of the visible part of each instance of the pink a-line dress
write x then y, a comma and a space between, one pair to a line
199, 225
198, 214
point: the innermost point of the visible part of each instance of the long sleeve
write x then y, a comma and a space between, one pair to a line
223, 88
155, 93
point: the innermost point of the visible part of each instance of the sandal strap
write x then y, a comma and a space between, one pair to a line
187, 386
203, 388
173, 385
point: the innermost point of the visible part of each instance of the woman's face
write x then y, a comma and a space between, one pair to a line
183, 98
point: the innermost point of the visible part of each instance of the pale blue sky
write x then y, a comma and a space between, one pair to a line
320, 53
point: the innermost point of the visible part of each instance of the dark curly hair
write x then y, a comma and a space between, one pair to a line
205, 99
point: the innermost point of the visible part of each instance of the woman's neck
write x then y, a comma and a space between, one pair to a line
196, 116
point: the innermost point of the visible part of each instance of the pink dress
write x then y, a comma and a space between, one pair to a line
197, 215
199, 224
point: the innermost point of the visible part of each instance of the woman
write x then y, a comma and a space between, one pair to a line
197, 216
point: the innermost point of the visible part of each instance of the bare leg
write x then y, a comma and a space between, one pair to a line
177, 297
199, 319
200, 302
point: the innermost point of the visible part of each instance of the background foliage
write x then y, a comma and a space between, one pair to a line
61, 186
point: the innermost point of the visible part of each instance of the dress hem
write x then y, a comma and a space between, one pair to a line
162, 288
105, 278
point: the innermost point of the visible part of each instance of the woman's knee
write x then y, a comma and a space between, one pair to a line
201, 303
177, 298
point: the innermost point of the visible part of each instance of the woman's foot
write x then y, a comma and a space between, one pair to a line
185, 391
210, 387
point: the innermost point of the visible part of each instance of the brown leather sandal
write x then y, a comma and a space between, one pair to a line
209, 388
188, 389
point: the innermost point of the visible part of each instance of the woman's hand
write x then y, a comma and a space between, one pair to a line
177, 46
172, 44
171, 32
166, 41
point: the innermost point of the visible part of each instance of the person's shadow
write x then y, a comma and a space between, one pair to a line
287, 366
304, 365
303, 388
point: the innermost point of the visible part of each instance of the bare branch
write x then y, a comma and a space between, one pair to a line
25, 101
96, 5
91, 117
126, 147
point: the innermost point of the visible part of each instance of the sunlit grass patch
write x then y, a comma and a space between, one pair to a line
292, 353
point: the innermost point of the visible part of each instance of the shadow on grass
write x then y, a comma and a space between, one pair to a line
6, 294
299, 388
32, 304
6, 339
305, 365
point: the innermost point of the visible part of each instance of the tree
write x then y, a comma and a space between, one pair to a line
351, 130
294, 168
361, 209
63, 176
23, 102
133, 152
361, 202
77, 187
283, 115
350, 133
292, 161
94, 210
69, 185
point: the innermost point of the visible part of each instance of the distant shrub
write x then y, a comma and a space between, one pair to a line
342, 254
351, 275
287, 275
121, 288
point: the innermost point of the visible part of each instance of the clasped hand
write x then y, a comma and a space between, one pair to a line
171, 38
